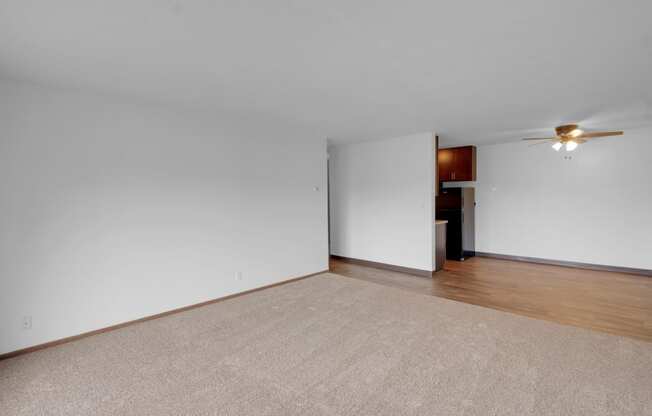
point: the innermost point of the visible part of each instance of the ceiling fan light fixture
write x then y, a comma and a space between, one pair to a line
571, 145
557, 146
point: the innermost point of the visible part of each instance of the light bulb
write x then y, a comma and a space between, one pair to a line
557, 146
570, 146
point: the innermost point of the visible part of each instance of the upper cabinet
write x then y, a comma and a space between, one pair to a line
456, 164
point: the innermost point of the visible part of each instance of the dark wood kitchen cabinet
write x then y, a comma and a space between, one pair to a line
456, 164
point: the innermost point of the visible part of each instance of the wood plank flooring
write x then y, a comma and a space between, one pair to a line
615, 303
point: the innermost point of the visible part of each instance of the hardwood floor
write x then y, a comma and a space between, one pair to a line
610, 302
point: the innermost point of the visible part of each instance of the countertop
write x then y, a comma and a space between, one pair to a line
440, 222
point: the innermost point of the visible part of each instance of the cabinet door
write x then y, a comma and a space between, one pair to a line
445, 164
464, 165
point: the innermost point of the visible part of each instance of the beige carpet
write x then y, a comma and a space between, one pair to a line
331, 345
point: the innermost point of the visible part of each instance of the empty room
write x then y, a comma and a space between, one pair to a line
325, 208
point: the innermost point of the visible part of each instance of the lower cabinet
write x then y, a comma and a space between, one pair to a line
440, 245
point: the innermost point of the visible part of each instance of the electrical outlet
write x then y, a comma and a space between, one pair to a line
27, 322
238, 276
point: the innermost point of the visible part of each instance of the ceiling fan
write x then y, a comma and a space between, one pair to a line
570, 135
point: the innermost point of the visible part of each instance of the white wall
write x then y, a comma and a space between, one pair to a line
111, 210
381, 201
594, 208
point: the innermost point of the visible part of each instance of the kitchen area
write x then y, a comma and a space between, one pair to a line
455, 203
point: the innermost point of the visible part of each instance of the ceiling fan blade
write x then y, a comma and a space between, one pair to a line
541, 138
592, 135
548, 141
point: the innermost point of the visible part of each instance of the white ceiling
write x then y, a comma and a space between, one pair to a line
475, 71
